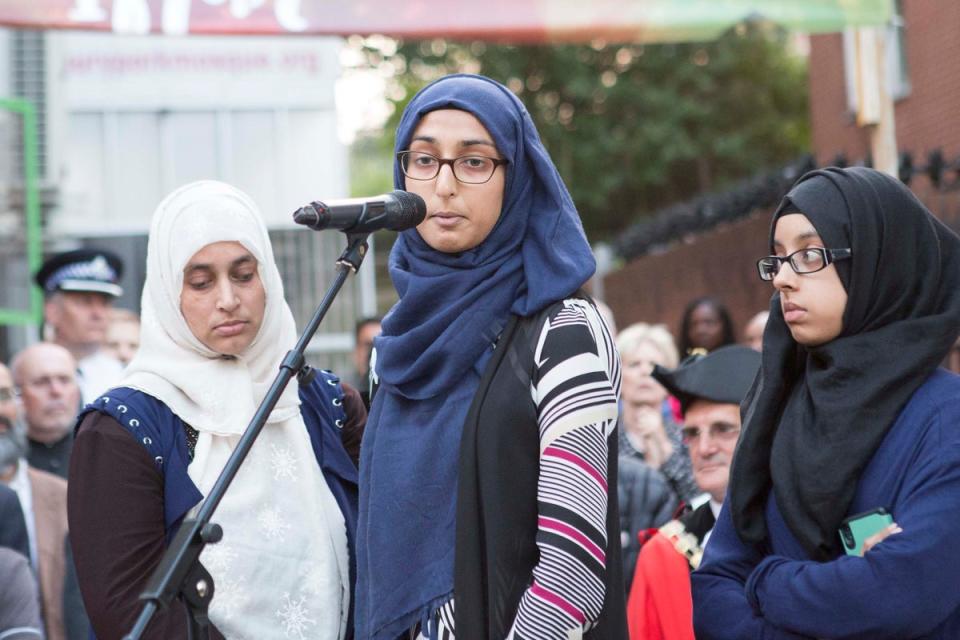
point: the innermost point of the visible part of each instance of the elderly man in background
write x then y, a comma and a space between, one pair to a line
43, 501
80, 287
709, 388
45, 375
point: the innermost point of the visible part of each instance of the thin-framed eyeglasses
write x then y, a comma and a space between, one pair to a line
809, 260
7, 394
469, 169
717, 430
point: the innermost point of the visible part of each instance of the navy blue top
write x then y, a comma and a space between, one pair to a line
162, 433
114, 564
905, 587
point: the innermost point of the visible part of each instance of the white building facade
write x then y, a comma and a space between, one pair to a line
126, 119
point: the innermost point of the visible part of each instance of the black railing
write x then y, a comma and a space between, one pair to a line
672, 223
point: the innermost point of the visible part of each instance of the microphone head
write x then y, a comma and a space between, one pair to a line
306, 216
412, 210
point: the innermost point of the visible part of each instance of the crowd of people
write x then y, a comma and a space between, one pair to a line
503, 462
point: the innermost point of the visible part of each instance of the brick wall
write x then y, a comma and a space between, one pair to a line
926, 119
656, 288
722, 263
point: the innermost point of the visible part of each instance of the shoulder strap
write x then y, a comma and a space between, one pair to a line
523, 346
325, 395
140, 414
161, 432
324, 416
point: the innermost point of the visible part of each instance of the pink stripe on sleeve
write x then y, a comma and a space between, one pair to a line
580, 462
567, 530
558, 602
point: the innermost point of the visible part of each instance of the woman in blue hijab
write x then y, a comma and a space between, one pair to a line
488, 467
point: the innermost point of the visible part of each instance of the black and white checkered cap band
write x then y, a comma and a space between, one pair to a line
93, 275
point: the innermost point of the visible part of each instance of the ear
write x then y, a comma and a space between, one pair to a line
52, 310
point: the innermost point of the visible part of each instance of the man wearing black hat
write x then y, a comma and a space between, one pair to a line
80, 287
710, 389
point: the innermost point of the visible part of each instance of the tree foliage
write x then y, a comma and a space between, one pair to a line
635, 127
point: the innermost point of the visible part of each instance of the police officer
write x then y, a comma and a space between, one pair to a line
79, 287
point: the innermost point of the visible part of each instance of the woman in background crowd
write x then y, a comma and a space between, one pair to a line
648, 431
706, 325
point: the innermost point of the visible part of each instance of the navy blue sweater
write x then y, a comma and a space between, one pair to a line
905, 587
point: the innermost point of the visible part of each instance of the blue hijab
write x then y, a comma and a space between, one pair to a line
434, 345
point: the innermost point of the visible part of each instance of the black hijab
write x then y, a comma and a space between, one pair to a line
815, 415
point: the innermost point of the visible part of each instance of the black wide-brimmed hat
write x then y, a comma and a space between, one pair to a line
723, 375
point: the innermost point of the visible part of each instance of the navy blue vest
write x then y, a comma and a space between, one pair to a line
162, 434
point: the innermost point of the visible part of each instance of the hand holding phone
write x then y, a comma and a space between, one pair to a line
857, 529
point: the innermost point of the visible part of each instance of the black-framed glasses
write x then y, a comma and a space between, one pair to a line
470, 169
717, 430
808, 260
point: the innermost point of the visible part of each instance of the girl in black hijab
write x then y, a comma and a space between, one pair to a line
849, 413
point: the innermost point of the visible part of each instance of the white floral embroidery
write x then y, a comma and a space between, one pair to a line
230, 597
283, 462
218, 558
293, 617
272, 524
292, 539
313, 579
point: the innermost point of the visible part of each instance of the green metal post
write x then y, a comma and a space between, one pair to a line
32, 205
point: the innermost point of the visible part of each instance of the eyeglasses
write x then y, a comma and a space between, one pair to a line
808, 260
718, 431
418, 165
7, 394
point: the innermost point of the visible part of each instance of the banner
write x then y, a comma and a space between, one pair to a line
497, 20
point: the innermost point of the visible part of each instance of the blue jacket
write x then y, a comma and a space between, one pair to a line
905, 587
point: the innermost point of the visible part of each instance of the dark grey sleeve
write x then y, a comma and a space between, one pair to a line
13, 526
19, 598
75, 621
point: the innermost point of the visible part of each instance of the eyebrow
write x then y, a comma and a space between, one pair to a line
203, 266
470, 142
803, 237
715, 423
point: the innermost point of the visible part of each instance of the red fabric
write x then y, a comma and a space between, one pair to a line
660, 606
675, 409
644, 535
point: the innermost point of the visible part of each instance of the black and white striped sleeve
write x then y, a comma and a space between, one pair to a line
575, 388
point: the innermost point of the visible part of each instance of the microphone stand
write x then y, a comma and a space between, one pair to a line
180, 572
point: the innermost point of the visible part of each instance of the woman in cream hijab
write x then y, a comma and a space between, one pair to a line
215, 328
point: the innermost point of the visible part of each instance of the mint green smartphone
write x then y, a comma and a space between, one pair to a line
857, 528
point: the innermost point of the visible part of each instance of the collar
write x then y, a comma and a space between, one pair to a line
715, 508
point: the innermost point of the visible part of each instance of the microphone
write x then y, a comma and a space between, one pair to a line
397, 210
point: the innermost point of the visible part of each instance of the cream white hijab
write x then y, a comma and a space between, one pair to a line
282, 569
210, 393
